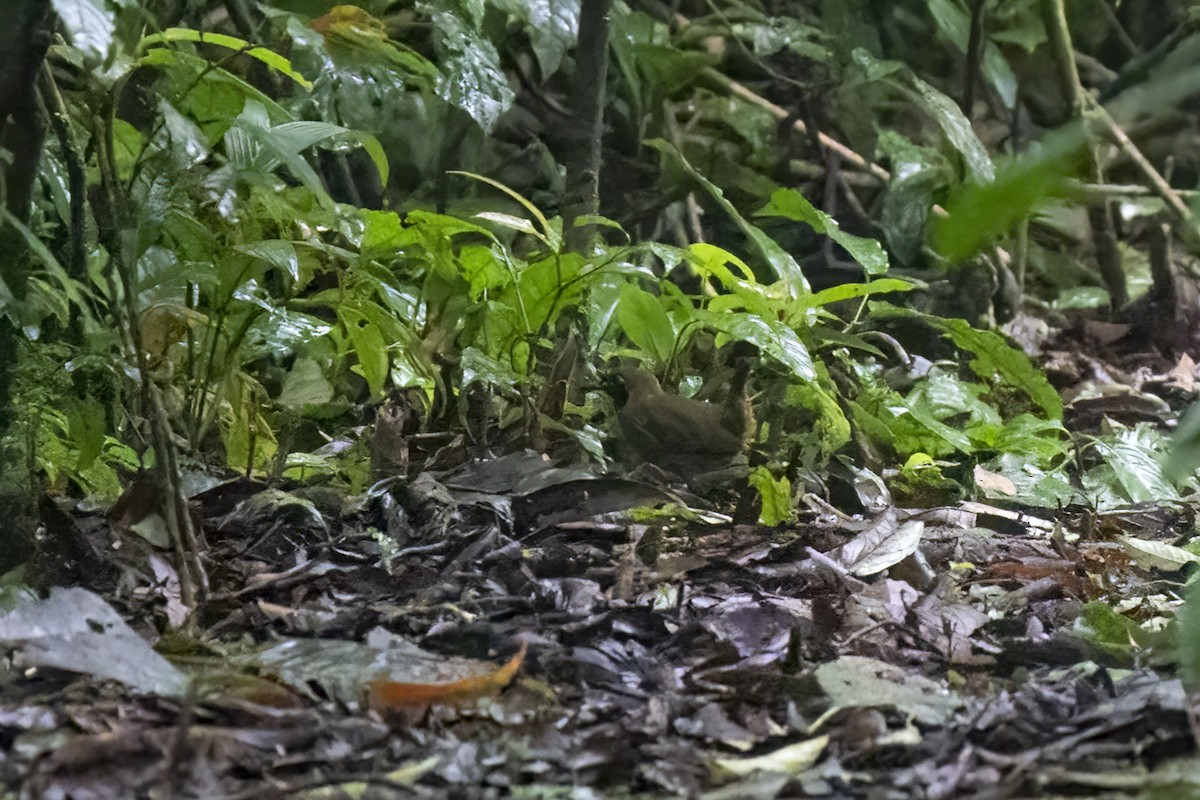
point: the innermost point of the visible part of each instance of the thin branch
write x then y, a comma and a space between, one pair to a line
738, 90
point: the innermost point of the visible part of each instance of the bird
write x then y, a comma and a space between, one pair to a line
683, 435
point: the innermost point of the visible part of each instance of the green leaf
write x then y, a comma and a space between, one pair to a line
917, 173
995, 359
512, 222
383, 234
296, 137
1184, 452
1035, 486
771, 336
210, 95
1187, 638
775, 494
278, 253
305, 385
790, 204
646, 323
1134, 456
944, 111
847, 291
772, 34
954, 22
473, 78
747, 294
91, 24
1115, 636
247, 435
547, 229
86, 424
979, 212
262, 54
551, 26
942, 396
370, 347
254, 145
483, 270
779, 260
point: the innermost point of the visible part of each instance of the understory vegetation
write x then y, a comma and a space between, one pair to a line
941, 250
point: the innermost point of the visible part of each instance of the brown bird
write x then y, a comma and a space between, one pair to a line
680, 434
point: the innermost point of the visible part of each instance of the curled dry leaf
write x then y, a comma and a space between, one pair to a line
387, 696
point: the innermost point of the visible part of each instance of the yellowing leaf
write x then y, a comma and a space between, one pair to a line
789, 760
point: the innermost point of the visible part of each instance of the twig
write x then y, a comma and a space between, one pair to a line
1109, 190
738, 90
1157, 181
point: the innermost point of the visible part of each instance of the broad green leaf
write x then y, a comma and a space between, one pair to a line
249, 441
253, 144
305, 385
549, 285
383, 234
715, 261
646, 323
1115, 636
601, 221
769, 35
1042, 441
1035, 486
551, 26
213, 97
771, 336
940, 397
295, 137
745, 293
1187, 638
483, 270
371, 349
917, 172
478, 367
996, 359
473, 78
90, 23
1135, 458
279, 253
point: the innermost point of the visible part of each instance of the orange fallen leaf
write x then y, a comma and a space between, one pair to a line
387, 696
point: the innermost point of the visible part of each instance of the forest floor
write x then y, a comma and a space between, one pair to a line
509, 627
